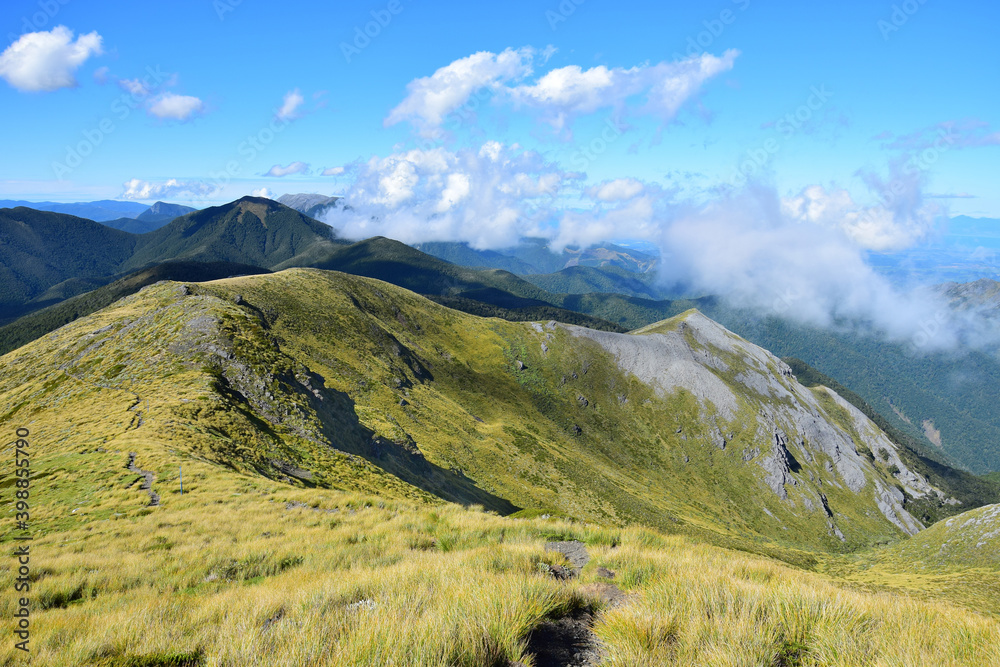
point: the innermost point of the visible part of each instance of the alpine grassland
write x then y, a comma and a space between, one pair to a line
371, 478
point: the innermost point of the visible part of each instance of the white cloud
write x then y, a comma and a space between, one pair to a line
333, 171
135, 86
262, 192
430, 99
560, 95
139, 189
45, 61
617, 190
176, 107
899, 219
566, 93
289, 107
490, 197
277, 171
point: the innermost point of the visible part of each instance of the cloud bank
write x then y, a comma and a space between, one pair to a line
490, 197
803, 256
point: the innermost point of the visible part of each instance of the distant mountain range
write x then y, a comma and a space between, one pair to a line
313, 205
967, 250
532, 256
47, 257
944, 404
98, 211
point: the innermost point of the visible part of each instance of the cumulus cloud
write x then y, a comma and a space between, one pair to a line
139, 189
617, 190
136, 87
489, 198
430, 99
170, 106
277, 171
333, 171
46, 61
566, 93
560, 95
290, 105
262, 192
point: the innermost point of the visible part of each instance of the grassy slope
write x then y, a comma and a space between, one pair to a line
35, 325
920, 386
245, 569
429, 394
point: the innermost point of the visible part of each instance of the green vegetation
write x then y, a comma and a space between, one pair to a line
48, 257
604, 280
956, 391
326, 424
41, 250
968, 489
37, 324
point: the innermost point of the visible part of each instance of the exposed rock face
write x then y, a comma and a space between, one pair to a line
736, 381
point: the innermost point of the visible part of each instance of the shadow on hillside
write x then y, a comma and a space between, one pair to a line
345, 432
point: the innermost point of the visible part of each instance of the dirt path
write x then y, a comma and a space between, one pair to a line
570, 641
147, 480
566, 642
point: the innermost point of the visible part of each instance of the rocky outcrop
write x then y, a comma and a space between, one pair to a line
803, 438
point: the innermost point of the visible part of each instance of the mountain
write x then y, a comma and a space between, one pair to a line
983, 295
153, 218
533, 256
918, 394
40, 250
463, 255
679, 424
943, 401
274, 453
607, 279
98, 211
35, 325
164, 212
47, 257
251, 230
313, 205
945, 398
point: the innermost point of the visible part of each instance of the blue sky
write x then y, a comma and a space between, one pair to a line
225, 68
